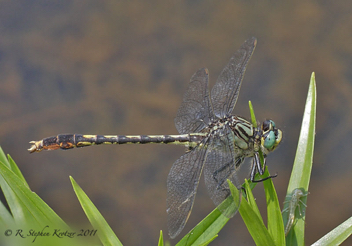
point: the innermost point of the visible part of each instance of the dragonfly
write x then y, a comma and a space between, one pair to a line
293, 202
216, 141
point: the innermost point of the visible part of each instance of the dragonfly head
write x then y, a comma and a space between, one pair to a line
271, 136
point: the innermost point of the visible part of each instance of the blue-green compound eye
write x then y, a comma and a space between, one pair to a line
273, 123
269, 140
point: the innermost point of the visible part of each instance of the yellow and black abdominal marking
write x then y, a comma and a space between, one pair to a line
69, 141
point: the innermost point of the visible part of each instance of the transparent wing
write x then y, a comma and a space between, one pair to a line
195, 111
222, 164
182, 183
226, 89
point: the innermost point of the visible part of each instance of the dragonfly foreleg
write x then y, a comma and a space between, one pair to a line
258, 164
257, 167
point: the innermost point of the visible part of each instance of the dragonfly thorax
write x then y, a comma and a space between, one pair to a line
244, 135
247, 137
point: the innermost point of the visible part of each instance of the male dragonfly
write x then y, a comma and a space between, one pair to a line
216, 140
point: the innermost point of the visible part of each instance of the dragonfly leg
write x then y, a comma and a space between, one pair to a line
253, 170
221, 181
258, 164
256, 167
232, 170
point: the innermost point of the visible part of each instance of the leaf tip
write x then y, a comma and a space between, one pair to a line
312, 78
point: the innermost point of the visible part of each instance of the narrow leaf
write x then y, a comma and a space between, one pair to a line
209, 241
26, 202
254, 223
337, 235
161, 239
207, 229
251, 200
251, 110
275, 222
16, 170
105, 233
6, 219
3, 158
302, 166
19, 214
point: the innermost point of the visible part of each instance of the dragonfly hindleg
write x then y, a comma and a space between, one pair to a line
227, 171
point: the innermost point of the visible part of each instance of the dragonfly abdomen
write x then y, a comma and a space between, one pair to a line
69, 141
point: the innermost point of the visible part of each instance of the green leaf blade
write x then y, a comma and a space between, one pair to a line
206, 230
305, 149
251, 110
254, 223
26, 206
16, 170
161, 239
275, 221
251, 200
337, 235
302, 166
105, 233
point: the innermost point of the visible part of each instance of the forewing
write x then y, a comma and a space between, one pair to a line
226, 89
221, 164
195, 111
182, 183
